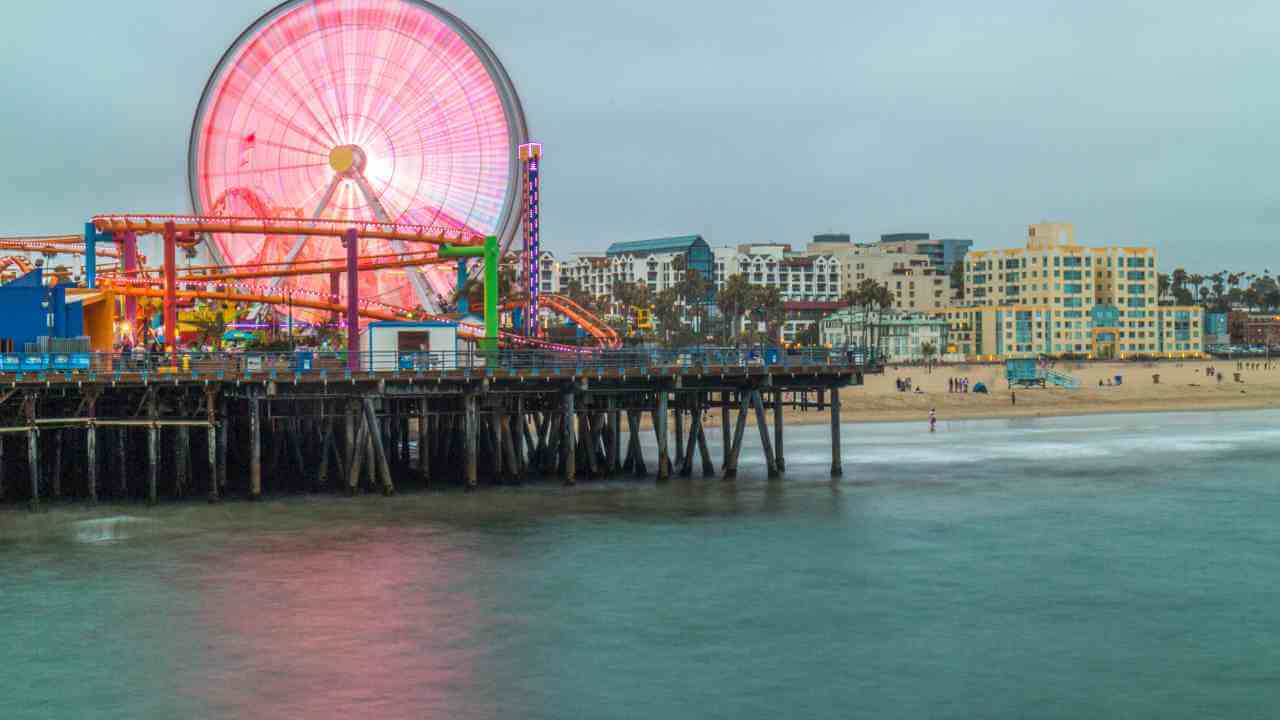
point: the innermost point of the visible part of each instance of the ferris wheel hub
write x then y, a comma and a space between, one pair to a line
348, 160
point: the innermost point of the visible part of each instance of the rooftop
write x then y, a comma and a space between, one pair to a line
676, 244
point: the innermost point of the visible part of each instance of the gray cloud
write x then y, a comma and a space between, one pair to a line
1141, 122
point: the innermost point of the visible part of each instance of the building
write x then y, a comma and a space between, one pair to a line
1217, 329
996, 332
34, 310
798, 277
1057, 297
548, 273
801, 315
659, 264
916, 283
902, 337
943, 253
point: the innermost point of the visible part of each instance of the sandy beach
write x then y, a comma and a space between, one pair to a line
1183, 386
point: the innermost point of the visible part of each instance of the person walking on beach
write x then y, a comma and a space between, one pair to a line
933, 420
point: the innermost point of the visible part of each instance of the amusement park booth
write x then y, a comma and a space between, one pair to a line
392, 346
34, 310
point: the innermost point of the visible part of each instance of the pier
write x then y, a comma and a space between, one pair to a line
168, 427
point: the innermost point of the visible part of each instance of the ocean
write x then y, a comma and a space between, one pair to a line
1106, 566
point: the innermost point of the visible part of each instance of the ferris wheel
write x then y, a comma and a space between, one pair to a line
361, 110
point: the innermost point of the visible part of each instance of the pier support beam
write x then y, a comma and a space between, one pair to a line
837, 462
153, 448
255, 449
568, 444
615, 437
211, 440
695, 424
357, 432
33, 462
380, 462
91, 460
726, 438
471, 439
679, 430
660, 427
122, 465
731, 465
424, 444
758, 403
777, 432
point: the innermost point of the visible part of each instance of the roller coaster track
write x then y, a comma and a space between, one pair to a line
23, 265
52, 246
593, 325
155, 225
369, 311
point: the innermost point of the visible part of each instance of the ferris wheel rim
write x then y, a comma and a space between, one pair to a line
517, 126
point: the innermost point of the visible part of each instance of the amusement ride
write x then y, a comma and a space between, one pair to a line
357, 160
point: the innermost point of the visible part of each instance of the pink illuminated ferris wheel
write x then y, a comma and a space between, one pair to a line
387, 110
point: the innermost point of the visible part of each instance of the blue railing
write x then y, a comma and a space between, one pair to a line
223, 364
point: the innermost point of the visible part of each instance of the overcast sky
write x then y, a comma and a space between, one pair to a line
1147, 123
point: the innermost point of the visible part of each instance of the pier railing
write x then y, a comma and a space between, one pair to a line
236, 363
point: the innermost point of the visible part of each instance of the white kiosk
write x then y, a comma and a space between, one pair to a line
395, 346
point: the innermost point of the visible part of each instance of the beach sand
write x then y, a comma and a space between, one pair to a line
1184, 386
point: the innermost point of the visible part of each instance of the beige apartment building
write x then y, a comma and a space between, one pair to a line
1057, 297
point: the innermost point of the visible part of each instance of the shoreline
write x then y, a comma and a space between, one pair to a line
1183, 387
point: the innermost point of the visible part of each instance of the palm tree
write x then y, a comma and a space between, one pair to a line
928, 350
733, 300
871, 295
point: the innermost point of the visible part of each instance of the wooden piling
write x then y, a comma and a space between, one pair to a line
223, 430
91, 460
471, 439
424, 444
568, 444
758, 403
55, 466
679, 412
686, 458
726, 437
382, 464
777, 432
731, 467
358, 439
153, 448
837, 462
708, 467
33, 464
122, 465
153, 463
660, 427
182, 439
615, 431
255, 449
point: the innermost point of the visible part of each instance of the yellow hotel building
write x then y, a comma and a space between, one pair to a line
1056, 297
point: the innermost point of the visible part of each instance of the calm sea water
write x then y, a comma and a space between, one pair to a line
1121, 566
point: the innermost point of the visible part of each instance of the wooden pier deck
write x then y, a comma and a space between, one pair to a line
228, 426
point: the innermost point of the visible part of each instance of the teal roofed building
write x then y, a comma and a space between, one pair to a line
653, 261
679, 244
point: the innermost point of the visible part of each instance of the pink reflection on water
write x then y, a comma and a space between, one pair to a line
316, 626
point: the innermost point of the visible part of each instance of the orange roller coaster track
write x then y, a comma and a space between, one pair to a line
466, 330
155, 224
